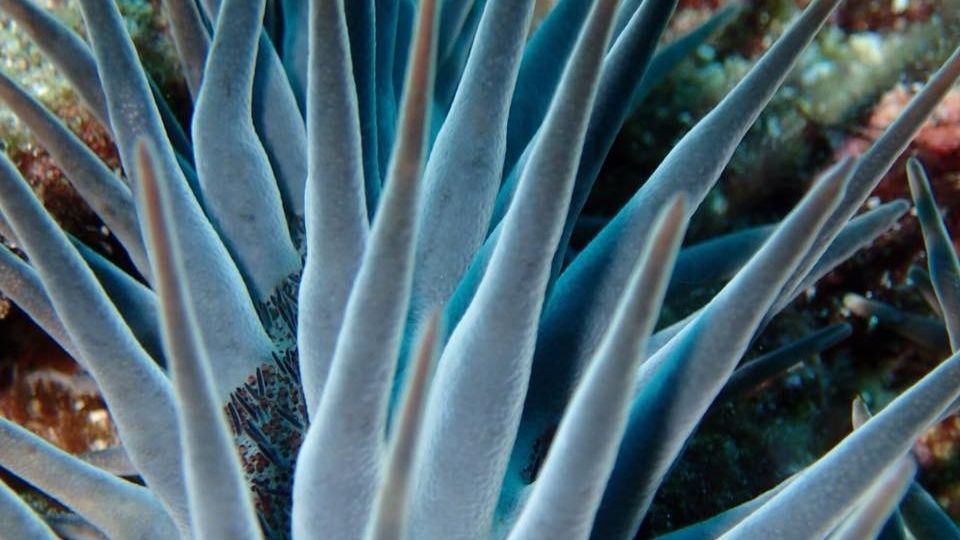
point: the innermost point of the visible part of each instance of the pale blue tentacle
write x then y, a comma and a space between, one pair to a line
584, 449
220, 503
878, 159
390, 509
278, 121
191, 39
941, 256
868, 519
678, 383
66, 49
19, 520
228, 321
120, 509
820, 497
463, 173
113, 459
624, 68
336, 211
19, 282
137, 391
239, 190
857, 234
135, 302
339, 463
482, 376
100, 187
581, 301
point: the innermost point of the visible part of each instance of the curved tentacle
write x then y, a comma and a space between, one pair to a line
239, 189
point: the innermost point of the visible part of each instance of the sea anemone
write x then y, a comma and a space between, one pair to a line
270, 368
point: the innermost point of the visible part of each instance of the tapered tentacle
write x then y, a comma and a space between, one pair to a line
96, 183
716, 259
136, 303
227, 319
765, 367
120, 509
868, 519
361, 24
210, 458
680, 171
191, 39
878, 159
919, 278
928, 332
623, 69
278, 121
678, 383
19, 282
114, 460
463, 173
925, 518
715, 526
584, 449
66, 49
19, 521
482, 376
858, 233
336, 212
339, 462
75, 60
674, 52
239, 189
820, 497
137, 392
390, 510
941, 256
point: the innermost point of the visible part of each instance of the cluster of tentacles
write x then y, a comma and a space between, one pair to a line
356, 314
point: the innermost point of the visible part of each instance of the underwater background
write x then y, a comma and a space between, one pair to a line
849, 84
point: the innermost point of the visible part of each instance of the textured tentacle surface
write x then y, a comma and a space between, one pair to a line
586, 443
336, 211
120, 509
226, 315
678, 383
239, 188
461, 181
141, 397
209, 455
942, 259
340, 457
481, 381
